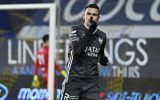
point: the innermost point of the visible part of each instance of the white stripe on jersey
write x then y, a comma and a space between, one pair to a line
68, 69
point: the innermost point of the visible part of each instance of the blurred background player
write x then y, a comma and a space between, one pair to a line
42, 62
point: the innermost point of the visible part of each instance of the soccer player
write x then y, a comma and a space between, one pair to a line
42, 62
86, 49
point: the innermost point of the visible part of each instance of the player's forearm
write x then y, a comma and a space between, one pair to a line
58, 68
80, 45
36, 66
36, 72
85, 37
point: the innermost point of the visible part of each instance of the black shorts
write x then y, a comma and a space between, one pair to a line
80, 89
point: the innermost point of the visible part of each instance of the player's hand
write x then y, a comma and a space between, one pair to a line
103, 60
35, 82
64, 74
93, 25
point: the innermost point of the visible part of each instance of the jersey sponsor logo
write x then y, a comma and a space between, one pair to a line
92, 51
67, 97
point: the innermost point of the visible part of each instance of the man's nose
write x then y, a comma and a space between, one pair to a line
91, 18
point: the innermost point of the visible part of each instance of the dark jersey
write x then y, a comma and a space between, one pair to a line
84, 51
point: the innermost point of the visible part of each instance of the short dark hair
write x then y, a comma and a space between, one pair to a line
93, 6
45, 38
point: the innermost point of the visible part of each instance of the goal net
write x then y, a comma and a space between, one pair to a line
21, 29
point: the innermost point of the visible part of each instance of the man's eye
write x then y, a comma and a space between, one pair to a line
95, 14
88, 13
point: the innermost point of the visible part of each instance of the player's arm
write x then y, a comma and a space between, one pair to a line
35, 82
59, 69
36, 66
79, 38
103, 60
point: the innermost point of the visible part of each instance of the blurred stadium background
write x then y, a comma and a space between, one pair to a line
133, 32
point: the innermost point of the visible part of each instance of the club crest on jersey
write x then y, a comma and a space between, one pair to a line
100, 40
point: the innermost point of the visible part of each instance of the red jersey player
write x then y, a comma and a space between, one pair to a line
42, 61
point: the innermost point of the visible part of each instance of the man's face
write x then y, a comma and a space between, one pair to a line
90, 12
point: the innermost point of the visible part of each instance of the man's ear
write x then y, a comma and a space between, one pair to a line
99, 17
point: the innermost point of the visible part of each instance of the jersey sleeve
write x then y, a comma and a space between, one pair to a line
102, 47
58, 67
78, 39
103, 59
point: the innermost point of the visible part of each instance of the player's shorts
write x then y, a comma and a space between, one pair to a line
80, 89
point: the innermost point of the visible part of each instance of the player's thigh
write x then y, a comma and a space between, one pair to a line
91, 96
92, 93
71, 92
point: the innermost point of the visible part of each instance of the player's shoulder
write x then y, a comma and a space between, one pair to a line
73, 30
76, 27
101, 33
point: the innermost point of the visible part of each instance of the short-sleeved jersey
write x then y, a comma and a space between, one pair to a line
84, 51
